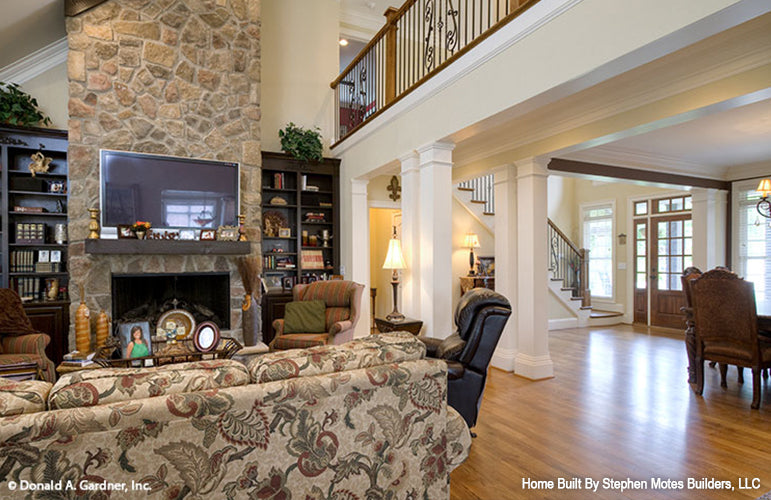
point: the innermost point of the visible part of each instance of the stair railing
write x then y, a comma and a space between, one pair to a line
482, 191
419, 39
569, 263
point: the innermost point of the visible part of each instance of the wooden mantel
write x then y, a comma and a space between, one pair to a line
167, 247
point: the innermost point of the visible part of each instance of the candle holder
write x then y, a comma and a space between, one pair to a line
241, 230
93, 224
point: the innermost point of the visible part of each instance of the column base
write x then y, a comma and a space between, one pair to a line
504, 359
534, 367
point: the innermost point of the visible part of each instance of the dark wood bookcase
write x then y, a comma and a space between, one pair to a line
300, 206
31, 207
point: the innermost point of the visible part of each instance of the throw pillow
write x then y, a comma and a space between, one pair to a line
305, 316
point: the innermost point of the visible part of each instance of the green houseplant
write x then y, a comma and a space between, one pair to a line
19, 108
303, 144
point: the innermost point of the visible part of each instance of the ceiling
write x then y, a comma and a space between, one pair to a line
28, 26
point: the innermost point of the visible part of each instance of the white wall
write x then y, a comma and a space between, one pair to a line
380, 230
52, 93
300, 57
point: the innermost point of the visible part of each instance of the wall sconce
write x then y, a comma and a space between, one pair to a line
764, 206
622, 239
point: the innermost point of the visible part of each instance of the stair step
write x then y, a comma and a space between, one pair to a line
604, 314
488, 213
568, 288
465, 189
576, 298
586, 308
481, 202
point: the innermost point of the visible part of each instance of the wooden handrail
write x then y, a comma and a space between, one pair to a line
374, 98
569, 263
563, 236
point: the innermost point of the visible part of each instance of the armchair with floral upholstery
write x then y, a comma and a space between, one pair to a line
19, 341
342, 300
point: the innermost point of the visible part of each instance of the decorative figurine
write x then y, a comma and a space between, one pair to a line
241, 230
39, 163
93, 224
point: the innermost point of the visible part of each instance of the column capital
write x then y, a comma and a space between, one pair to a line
436, 153
505, 173
410, 162
359, 186
533, 166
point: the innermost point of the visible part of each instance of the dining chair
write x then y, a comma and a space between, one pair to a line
726, 326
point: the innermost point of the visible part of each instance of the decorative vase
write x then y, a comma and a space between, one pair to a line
93, 224
83, 328
141, 235
249, 322
102, 329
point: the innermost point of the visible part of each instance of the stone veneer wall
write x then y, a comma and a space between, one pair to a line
178, 77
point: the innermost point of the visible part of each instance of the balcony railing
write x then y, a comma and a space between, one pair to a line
418, 40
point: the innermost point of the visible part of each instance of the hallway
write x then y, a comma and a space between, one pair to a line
619, 407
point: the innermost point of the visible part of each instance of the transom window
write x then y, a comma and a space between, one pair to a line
671, 204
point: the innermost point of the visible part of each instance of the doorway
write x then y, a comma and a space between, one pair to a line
663, 248
382, 222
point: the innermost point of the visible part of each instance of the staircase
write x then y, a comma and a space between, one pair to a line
568, 264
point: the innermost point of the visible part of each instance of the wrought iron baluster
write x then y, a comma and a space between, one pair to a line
428, 23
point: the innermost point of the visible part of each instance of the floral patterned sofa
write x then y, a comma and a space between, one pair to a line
364, 419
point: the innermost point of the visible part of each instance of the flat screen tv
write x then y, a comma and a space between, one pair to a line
167, 191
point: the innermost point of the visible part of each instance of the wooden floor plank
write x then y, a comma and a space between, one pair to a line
618, 407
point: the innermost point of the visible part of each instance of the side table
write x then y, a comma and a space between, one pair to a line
407, 324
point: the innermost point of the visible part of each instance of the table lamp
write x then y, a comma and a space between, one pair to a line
395, 261
472, 242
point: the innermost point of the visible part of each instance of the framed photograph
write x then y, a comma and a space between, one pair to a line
187, 234
135, 340
304, 279
227, 233
284, 232
56, 255
486, 266
207, 336
43, 256
287, 283
125, 232
312, 278
208, 235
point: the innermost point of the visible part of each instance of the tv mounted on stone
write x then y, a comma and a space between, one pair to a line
167, 191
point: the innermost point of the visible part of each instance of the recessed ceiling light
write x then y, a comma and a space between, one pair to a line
343, 42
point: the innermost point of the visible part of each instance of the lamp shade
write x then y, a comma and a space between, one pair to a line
471, 241
394, 258
764, 188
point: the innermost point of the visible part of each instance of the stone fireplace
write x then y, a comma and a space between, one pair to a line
177, 77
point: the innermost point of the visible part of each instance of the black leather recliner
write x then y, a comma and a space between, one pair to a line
480, 317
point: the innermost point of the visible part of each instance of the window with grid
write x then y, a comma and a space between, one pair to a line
598, 239
754, 239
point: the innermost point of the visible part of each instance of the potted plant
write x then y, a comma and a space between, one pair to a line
303, 144
140, 228
19, 108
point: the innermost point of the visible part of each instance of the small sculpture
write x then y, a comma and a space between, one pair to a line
39, 163
93, 224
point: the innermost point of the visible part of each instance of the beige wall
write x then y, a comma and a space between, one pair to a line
300, 57
619, 192
51, 91
380, 224
377, 189
463, 222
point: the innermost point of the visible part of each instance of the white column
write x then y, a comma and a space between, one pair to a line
410, 287
435, 220
532, 360
710, 207
506, 261
360, 271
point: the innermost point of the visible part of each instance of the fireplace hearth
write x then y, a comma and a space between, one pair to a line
138, 297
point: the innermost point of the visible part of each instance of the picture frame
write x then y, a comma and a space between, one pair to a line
486, 266
227, 233
43, 256
312, 278
125, 332
284, 232
207, 336
288, 282
187, 234
125, 232
56, 255
208, 235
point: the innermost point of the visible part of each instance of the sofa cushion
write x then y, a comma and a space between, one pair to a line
305, 316
364, 352
335, 293
28, 396
108, 385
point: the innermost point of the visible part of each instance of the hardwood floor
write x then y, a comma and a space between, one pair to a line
618, 407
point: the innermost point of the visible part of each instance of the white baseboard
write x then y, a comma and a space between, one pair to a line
534, 367
563, 323
504, 359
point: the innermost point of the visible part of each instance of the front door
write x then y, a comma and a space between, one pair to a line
671, 251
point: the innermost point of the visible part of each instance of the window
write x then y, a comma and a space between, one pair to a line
598, 239
754, 239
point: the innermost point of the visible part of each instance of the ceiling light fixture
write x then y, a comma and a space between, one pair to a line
343, 42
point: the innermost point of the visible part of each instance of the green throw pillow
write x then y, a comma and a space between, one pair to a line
305, 316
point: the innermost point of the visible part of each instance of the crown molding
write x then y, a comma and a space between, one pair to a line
359, 26
38, 62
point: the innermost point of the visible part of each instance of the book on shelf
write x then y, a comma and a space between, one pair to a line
278, 181
30, 232
312, 259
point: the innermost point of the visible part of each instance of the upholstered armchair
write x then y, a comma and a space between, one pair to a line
480, 317
727, 326
341, 310
19, 341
